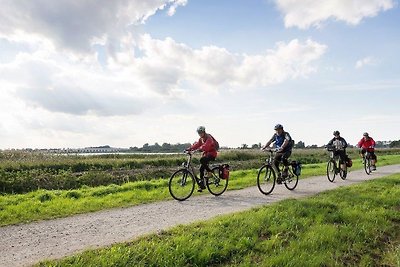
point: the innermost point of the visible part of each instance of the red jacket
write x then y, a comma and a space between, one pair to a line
368, 144
206, 145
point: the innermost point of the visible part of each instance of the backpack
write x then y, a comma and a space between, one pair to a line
216, 144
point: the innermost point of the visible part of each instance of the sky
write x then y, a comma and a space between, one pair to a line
128, 72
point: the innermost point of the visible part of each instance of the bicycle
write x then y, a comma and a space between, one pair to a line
182, 182
333, 168
266, 177
367, 162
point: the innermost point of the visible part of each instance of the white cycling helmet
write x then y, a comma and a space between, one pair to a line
201, 129
278, 126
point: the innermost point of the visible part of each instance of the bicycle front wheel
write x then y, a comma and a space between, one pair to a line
331, 170
266, 179
216, 185
367, 166
181, 184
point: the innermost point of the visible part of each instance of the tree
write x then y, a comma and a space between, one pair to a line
255, 146
300, 144
395, 144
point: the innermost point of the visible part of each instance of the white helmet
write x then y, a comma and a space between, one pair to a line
201, 129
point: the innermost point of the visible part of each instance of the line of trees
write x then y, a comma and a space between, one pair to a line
164, 148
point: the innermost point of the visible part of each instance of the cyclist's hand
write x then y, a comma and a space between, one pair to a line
277, 149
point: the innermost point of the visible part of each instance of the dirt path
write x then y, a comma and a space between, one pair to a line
23, 245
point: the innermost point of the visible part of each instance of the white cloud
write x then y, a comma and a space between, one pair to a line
76, 25
367, 61
49, 80
312, 13
216, 67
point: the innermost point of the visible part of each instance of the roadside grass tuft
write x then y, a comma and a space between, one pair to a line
350, 226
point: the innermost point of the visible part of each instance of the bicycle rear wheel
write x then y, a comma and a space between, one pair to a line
216, 185
181, 184
266, 179
331, 170
367, 165
291, 182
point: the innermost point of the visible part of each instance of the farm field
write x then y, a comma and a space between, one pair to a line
357, 225
80, 197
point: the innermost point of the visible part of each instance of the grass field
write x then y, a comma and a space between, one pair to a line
48, 204
350, 226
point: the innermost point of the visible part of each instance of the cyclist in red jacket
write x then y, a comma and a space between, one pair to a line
207, 144
367, 143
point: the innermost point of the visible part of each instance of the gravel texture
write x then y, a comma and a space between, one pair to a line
27, 244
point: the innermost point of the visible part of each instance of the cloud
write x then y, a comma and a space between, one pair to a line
367, 61
164, 73
216, 67
76, 25
312, 13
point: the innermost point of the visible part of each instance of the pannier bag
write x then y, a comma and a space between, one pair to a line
224, 171
349, 162
296, 167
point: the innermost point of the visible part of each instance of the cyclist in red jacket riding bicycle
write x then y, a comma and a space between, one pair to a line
207, 144
367, 143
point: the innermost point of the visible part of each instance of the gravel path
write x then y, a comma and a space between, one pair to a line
24, 245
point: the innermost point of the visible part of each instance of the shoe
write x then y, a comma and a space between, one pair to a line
373, 168
279, 179
199, 190
201, 185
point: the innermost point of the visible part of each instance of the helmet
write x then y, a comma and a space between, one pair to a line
201, 129
278, 126
365, 134
336, 133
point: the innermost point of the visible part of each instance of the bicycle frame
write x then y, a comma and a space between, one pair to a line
188, 164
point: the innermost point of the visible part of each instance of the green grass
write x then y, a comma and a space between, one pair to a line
49, 204
349, 226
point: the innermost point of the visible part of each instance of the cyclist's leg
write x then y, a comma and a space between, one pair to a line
373, 160
277, 159
343, 158
285, 161
204, 167
362, 152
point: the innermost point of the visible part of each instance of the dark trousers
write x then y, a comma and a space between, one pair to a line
282, 156
372, 154
204, 164
342, 155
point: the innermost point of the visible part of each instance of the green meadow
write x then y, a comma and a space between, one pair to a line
357, 225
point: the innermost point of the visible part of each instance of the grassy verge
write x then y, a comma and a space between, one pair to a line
349, 226
48, 204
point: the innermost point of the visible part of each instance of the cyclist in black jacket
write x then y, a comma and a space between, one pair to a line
339, 144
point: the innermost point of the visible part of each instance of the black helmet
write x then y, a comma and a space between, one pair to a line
278, 126
365, 134
336, 133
